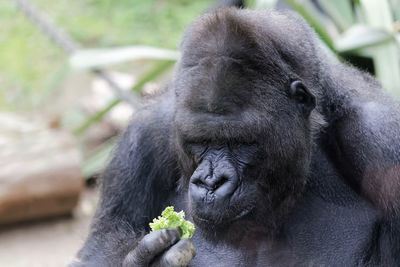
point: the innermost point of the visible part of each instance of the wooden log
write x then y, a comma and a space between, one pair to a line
40, 174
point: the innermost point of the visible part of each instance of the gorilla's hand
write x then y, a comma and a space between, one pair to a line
161, 248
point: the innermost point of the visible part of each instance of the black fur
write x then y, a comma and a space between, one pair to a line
258, 125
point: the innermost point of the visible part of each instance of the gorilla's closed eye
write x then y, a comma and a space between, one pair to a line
302, 96
196, 150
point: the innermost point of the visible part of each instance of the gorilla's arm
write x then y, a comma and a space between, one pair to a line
363, 139
140, 177
364, 128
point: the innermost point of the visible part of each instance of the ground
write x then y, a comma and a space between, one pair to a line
51, 243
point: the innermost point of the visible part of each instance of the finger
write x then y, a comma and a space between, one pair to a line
151, 245
179, 254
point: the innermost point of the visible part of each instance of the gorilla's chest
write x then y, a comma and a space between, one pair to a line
320, 233
246, 254
330, 226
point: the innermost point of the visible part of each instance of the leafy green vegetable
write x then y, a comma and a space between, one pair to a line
169, 218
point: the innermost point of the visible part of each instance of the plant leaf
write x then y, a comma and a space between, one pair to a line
340, 11
151, 75
386, 55
261, 4
93, 58
395, 4
361, 36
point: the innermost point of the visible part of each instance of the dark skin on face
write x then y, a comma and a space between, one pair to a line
279, 156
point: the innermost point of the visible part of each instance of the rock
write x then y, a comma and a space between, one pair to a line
40, 173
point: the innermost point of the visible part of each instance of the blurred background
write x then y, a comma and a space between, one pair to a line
72, 72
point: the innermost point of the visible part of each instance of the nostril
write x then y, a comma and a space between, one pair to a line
219, 182
198, 183
210, 183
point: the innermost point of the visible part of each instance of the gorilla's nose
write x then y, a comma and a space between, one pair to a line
220, 182
211, 183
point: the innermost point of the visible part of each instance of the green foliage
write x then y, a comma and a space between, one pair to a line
29, 62
170, 219
363, 28
378, 15
26, 57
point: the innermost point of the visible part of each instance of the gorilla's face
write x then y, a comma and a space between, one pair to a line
241, 155
242, 125
233, 166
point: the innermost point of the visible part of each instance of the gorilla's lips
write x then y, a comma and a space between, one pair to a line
227, 216
222, 206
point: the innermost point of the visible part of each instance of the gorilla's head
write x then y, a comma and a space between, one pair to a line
245, 117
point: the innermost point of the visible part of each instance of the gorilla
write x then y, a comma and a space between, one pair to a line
280, 155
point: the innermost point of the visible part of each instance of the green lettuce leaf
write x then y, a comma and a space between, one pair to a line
169, 219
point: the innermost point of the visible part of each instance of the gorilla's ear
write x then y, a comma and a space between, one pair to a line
302, 96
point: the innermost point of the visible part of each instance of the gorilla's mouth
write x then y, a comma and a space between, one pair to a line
243, 213
222, 218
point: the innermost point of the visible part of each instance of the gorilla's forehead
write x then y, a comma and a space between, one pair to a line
224, 86
240, 33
